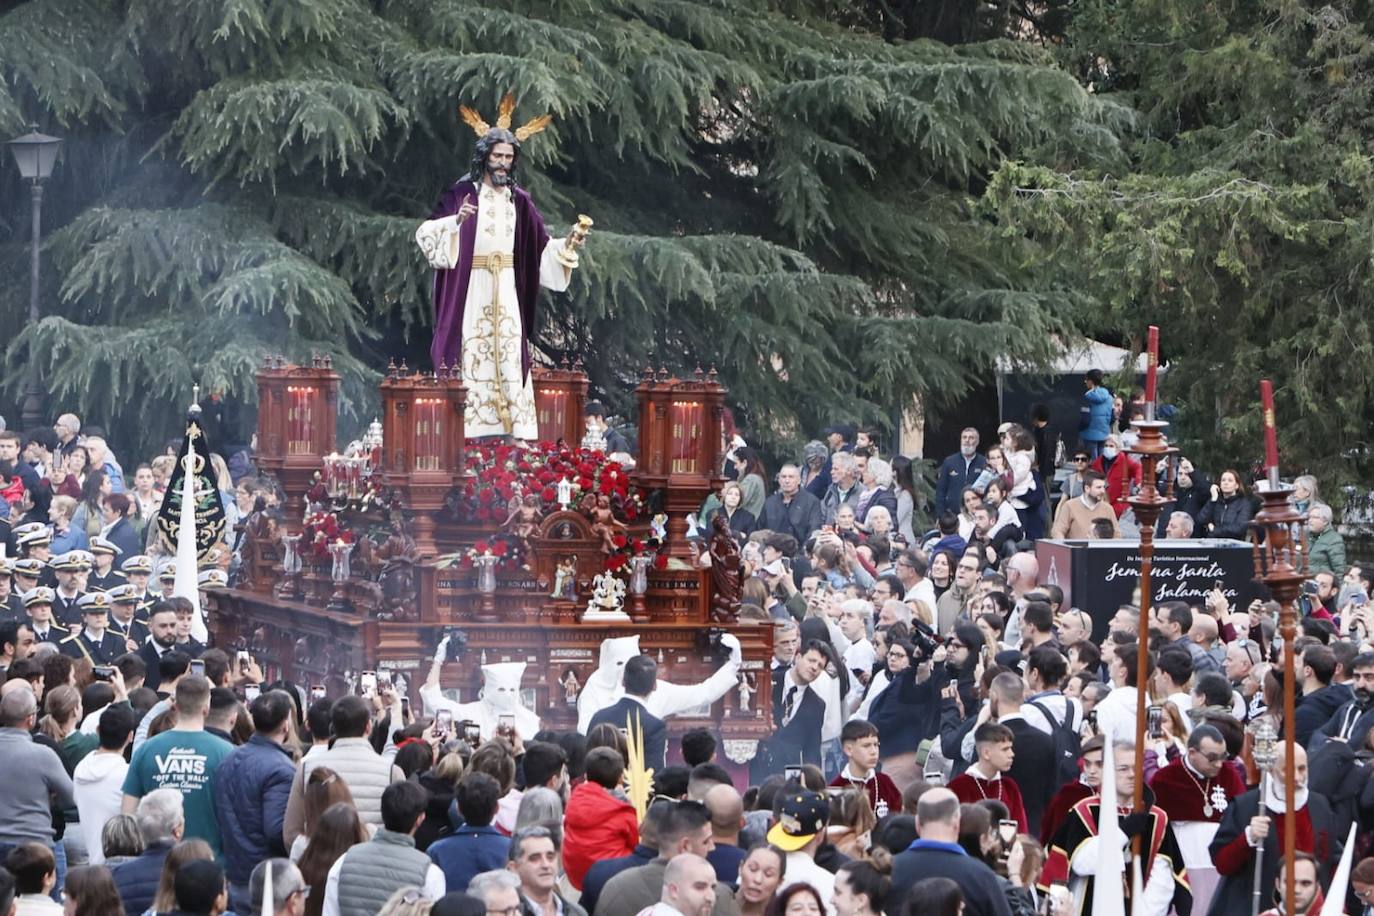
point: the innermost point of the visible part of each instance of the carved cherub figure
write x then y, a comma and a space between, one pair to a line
605, 524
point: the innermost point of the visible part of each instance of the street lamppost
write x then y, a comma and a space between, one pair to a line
35, 154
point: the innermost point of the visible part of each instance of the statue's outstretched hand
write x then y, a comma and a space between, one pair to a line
441, 651
731, 642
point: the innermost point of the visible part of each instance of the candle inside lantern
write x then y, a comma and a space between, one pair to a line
1271, 433
1152, 368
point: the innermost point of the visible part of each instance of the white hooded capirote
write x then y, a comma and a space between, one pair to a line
500, 696
606, 685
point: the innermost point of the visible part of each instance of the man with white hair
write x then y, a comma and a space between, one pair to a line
894, 611
288, 888
162, 822
499, 891
103, 458
844, 489
1180, 526
1325, 546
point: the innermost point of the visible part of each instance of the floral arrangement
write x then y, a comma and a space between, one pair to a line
502, 474
322, 528
508, 549
627, 548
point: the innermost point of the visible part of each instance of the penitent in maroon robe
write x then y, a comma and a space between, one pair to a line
451, 286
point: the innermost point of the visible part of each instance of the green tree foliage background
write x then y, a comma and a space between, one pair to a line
785, 190
1242, 226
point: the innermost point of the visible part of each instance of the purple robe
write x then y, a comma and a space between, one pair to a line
451, 286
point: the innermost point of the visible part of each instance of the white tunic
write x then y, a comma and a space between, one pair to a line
500, 401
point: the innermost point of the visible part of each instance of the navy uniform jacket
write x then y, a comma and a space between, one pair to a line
955, 474
110, 647
64, 610
653, 729
799, 741
12, 608
137, 630
56, 633
99, 583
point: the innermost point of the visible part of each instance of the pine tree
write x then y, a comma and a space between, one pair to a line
789, 199
1243, 225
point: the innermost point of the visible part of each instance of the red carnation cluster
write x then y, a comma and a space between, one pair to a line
508, 549
629, 548
322, 529
503, 473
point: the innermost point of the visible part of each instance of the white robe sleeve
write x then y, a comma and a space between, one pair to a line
438, 241
552, 274
1085, 859
674, 699
1158, 895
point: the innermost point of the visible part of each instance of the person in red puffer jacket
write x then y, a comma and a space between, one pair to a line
598, 825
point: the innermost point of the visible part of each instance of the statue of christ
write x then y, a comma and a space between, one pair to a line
490, 254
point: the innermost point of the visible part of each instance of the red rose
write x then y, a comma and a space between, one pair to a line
619, 541
585, 483
661, 561
485, 497
638, 546
499, 548
548, 494
615, 561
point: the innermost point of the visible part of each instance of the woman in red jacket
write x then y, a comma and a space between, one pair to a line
597, 824
1122, 472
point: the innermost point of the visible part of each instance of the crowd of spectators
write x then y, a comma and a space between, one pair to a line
943, 722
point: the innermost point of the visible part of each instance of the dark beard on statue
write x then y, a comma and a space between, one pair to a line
498, 177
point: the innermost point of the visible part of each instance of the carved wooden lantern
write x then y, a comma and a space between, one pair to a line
560, 395
679, 443
297, 411
422, 442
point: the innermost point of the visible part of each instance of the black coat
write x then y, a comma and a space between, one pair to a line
1035, 775
742, 523
654, 729
799, 741
152, 680
1227, 518
798, 518
1316, 709
1234, 893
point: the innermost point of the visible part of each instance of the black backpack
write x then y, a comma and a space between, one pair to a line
1067, 745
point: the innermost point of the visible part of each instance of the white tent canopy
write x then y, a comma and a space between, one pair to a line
1082, 354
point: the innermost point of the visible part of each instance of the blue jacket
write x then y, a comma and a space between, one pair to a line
136, 880
467, 853
251, 788
1097, 409
955, 474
